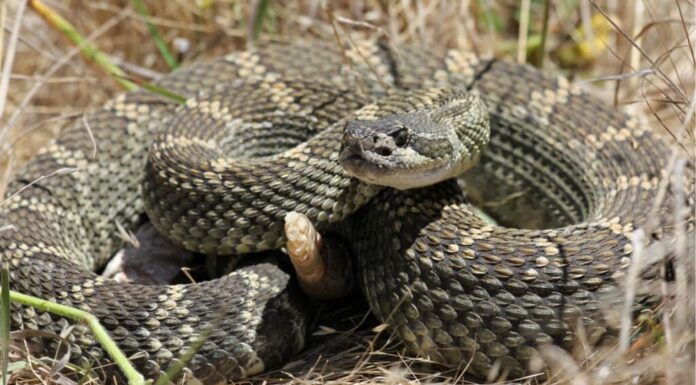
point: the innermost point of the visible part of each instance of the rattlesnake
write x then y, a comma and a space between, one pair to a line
456, 289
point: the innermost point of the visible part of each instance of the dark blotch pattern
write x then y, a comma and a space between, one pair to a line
454, 288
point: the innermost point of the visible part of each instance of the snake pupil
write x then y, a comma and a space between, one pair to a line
400, 136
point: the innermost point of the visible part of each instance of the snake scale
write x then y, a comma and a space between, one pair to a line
569, 178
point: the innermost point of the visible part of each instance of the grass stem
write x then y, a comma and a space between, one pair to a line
88, 49
100, 334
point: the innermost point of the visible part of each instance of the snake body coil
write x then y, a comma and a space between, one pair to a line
455, 289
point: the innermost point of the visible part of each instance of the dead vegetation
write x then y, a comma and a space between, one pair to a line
636, 54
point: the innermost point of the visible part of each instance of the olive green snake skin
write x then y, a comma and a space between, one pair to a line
456, 289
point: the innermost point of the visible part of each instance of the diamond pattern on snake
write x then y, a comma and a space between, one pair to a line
319, 129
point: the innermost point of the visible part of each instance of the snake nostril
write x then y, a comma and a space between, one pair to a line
383, 151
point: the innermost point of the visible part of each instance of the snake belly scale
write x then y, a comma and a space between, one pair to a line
454, 288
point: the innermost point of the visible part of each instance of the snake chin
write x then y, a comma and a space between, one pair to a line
403, 170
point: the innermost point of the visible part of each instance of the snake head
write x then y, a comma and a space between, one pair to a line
415, 139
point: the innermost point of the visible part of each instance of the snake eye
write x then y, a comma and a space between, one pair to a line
400, 136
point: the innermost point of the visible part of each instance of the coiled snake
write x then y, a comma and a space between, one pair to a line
456, 289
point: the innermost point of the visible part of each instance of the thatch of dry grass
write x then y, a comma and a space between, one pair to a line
637, 54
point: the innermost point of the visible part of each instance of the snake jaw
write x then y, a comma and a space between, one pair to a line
357, 156
374, 169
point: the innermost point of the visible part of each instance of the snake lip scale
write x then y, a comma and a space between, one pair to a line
568, 178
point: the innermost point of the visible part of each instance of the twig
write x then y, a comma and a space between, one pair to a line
640, 73
686, 33
9, 59
54, 68
3, 27
91, 136
637, 241
664, 77
659, 119
361, 24
634, 58
60, 171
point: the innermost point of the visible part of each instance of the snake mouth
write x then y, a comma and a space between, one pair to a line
354, 162
393, 171
364, 164
351, 155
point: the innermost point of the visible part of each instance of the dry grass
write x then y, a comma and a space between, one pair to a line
636, 54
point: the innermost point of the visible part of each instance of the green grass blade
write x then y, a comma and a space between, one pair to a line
156, 37
100, 334
16, 366
4, 323
489, 17
88, 49
260, 12
157, 90
174, 370
163, 92
484, 216
544, 33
